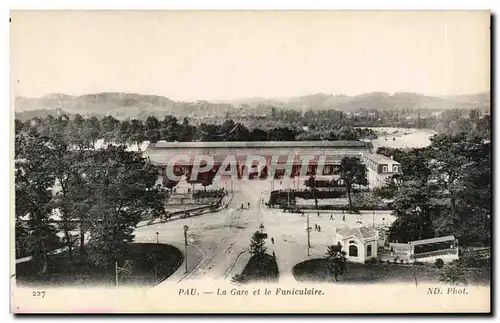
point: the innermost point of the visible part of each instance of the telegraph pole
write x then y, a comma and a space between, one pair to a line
116, 273
308, 235
186, 228
288, 194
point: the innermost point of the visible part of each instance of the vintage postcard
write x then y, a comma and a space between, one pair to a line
250, 162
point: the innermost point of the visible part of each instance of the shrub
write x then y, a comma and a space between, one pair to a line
239, 279
439, 263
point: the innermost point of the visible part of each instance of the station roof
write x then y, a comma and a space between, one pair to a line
259, 144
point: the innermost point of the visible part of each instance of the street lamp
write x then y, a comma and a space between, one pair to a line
157, 241
373, 221
186, 228
308, 230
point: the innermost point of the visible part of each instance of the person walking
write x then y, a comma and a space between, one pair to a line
272, 240
331, 216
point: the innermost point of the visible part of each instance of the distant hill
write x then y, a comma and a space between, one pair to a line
131, 105
377, 100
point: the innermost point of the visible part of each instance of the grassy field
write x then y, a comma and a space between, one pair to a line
260, 270
152, 263
315, 270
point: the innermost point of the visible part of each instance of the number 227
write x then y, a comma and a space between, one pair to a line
38, 294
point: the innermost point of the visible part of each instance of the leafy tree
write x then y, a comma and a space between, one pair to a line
238, 133
170, 129
152, 127
282, 134
137, 134
439, 263
412, 209
352, 172
474, 198
75, 133
187, 131
109, 128
124, 132
453, 275
336, 260
33, 198
448, 167
91, 131
258, 245
258, 135
122, 190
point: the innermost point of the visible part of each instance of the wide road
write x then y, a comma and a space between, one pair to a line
222, 236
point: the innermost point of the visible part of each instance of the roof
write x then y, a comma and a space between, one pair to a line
258, 144
380, 159
157, 158
432, 240
363, 233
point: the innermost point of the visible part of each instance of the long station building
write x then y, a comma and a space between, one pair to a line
165, 154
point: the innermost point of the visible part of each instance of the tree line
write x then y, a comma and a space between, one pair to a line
473, 122
85, 132
63, 188
443, 189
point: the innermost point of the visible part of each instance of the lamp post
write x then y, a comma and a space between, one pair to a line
186, 228
308, 230
157, 240
116, 273
373, 219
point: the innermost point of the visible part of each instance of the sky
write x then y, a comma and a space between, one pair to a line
224, 55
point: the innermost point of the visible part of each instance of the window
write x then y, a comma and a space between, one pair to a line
369, 250
395, 168
384, 169
353, 251
352, 242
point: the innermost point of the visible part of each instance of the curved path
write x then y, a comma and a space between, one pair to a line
220, 237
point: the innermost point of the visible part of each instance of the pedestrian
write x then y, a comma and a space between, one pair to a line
343, 218
319, 228
318, 216
272, 240
274, 255
331, 216
242, 206
248, 204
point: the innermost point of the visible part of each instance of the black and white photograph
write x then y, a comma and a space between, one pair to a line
251, 161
